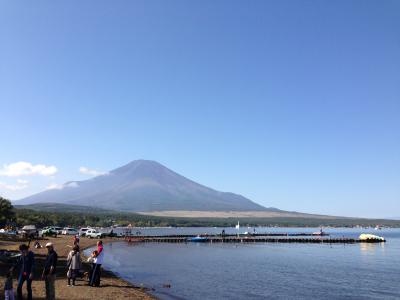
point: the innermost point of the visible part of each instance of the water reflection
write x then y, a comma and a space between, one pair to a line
371, 248
290, 271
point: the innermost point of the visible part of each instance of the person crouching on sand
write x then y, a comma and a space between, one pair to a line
37, 245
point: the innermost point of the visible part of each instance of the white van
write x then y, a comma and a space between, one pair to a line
93, 234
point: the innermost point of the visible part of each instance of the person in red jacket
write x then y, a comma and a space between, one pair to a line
76, 240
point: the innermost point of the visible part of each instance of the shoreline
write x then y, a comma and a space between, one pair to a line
106, 242
112, 285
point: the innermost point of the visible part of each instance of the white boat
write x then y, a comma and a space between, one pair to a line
371, 237
320, 232
237, 226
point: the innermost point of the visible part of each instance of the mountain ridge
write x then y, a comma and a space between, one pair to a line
144, 185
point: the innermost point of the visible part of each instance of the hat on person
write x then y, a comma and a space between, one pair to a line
49, 245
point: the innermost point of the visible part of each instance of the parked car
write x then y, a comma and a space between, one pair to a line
69, 231
8, 231
58, 229
49, 231
29, 231
9, 257
93, 234
82, 231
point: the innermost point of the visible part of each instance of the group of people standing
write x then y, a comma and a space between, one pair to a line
26, 268
74, 264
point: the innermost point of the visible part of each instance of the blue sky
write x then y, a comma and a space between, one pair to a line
293, 104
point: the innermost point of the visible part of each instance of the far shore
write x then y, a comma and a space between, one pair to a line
233, 214
112, 287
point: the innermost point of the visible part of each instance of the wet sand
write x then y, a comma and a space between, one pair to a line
112, 287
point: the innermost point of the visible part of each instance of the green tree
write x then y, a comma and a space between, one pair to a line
6, 211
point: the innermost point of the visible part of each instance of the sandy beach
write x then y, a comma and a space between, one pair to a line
112, 287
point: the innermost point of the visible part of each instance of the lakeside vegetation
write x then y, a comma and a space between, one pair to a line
69, 215
25, 216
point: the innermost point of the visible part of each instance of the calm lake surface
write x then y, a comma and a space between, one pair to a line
262, 271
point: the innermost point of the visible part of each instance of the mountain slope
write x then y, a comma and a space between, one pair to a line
144, 185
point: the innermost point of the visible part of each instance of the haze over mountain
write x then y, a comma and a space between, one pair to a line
144, 186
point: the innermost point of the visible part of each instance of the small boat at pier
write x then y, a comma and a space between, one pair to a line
320, 233
198, 239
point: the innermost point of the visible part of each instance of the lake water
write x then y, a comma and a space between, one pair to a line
262, 271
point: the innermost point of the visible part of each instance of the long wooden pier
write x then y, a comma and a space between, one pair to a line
291, 234
250, 239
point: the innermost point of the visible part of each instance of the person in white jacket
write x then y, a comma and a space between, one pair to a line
74, 265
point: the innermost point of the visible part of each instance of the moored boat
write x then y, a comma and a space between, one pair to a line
197, 239
320, 233
371, 238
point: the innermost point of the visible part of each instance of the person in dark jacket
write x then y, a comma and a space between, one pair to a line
49, 272
26, 264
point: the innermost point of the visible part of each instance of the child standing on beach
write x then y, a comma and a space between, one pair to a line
8, 287
92, 258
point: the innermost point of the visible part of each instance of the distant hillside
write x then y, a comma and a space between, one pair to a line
61, 207
273, 213
144, 186
238, 214
45, 214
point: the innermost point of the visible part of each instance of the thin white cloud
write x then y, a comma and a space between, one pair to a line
55, 186
91, 172
72, 184
22, 181
13, 187
23, 168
